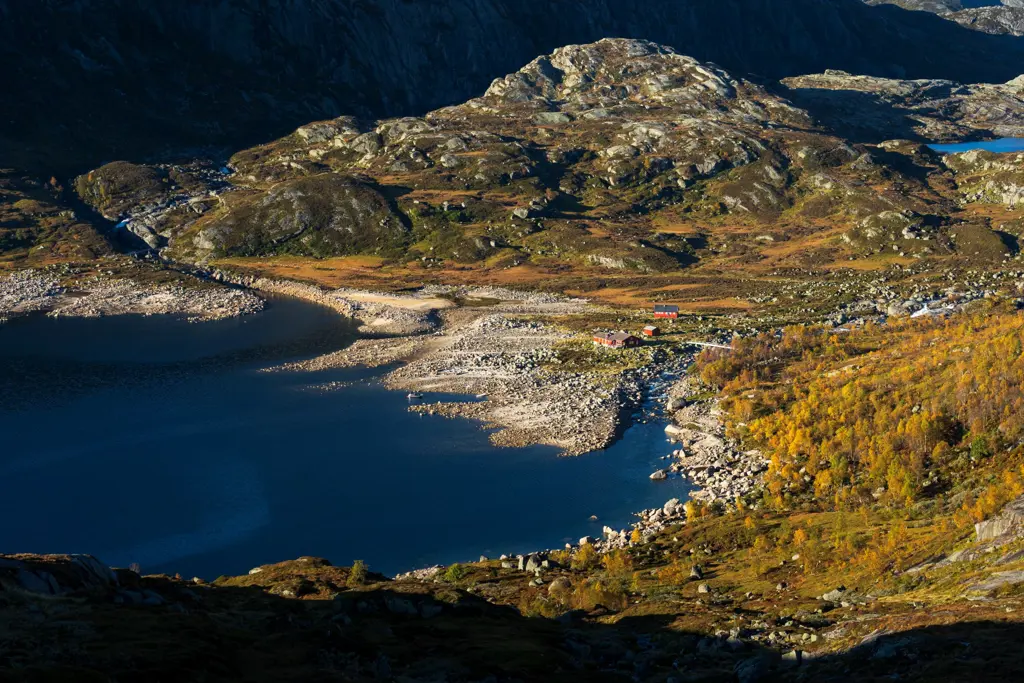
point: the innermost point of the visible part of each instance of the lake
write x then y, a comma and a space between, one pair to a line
184, 457
1001, 145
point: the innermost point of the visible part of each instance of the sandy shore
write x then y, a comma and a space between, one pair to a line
380, 314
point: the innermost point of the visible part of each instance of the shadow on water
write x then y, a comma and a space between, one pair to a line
203, 464
47, 359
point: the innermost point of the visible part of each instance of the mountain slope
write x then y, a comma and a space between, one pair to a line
574, 159
621, 155
102, 79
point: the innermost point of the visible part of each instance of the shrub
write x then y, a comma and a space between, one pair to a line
585, 557
455, 573
357, 575
675, 574
979, 448
618, 563
591, 594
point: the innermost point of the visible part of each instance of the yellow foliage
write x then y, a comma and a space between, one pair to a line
585, 557
618, 563
840, 416
674, 574
593, 593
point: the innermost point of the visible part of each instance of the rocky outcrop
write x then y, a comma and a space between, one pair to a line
55, 574
988, 177
318, 216
103, 79
1009, 523
997, 20
116, 187
876, 109
989, 16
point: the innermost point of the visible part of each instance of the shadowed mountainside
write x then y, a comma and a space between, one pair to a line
991, 16
103, 79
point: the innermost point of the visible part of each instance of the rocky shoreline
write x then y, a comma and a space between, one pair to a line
705, 455
503, 351
34, 291
714, 463
505, 355
491, 351
380, 314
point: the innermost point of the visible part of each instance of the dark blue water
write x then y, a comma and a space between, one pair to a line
1001, 145
224, 467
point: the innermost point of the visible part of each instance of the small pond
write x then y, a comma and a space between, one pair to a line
1001, 145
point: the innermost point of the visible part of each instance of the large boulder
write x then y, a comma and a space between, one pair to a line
672, 507
1008, 523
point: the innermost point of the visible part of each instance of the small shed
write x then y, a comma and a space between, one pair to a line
666, 311
617, 340
652, 331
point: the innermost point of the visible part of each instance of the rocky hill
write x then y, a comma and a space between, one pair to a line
98, 80
871, 109
621, 155
1004, 17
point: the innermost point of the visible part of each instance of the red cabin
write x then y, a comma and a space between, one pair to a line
666, 311
617, 340
652, 331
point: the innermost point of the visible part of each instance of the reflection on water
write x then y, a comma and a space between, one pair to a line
228, 467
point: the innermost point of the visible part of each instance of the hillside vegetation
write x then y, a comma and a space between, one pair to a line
887, 443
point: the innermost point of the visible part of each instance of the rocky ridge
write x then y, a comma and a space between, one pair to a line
611, 131
924, 110
621, 156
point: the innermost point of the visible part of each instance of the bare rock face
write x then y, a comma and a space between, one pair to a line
1009, 522
612, 77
